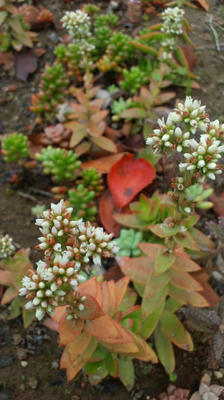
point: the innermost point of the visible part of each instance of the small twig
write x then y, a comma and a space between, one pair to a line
207, 47
214, 32
27, 196
41, 192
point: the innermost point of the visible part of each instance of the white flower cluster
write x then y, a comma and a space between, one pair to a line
6, 246
192, 114
176, 132
69, 245
172, 20
168, 46
204, 157
78, 24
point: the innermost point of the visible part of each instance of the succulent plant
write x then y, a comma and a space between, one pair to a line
15, 147
121, 105
92, 180
207, 391
82, 201
106, 20
128, 243
197, 194
38, 210
7, 247
174, 393
119, 49
69, 56
61, 163
52, 90
134, 78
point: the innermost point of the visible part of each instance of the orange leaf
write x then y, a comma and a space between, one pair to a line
121, 287
107, 208
9, 295
103, 165
208, 293
99, 116
183, 280
150, 249
92, 287
69, 330
105, 143
106, 330
138, 269
78, 346
92, 309
109, 297
128, 177
73, 368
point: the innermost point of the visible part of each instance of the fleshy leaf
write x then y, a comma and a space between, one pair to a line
165, 351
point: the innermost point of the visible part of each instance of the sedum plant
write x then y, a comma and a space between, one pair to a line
128, 243
15, 148
60, 163
207, 390
7, 247
165, 275
87, 120
82, 201
53, 87
95, 320
92, 180
13, 30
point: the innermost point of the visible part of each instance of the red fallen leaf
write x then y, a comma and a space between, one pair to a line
25, 63
218, 202
107, 207
190, 56
103, 165
128, 177
7, 60
203, 4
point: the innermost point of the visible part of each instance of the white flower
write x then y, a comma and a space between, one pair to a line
39, 313
172, 20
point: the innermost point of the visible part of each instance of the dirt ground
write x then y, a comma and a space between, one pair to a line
29, 360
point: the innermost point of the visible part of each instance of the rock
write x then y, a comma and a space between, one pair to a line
17, 338
218, 374
24, 364
54, 364
106, 96
4, 396
6, 360
33, 382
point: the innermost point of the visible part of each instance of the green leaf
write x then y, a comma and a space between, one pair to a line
187, 241
150, 304
164, 261
92, 367
3, 16
150, 322
104, 143
28, 317
172, 305
126, 372
110, 365
173, 329
165, 351
16, 306
133, 113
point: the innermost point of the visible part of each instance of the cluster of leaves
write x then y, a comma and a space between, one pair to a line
15, 147
14, 32
165, 276
113, 51
53, 87
62, 164
83, 197
106, 337
87, 120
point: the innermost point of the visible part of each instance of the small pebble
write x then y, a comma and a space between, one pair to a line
17, 338
218, 374
21, 353
6, 360
24, 364
54, 365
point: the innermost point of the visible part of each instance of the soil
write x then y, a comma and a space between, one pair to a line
37, 346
